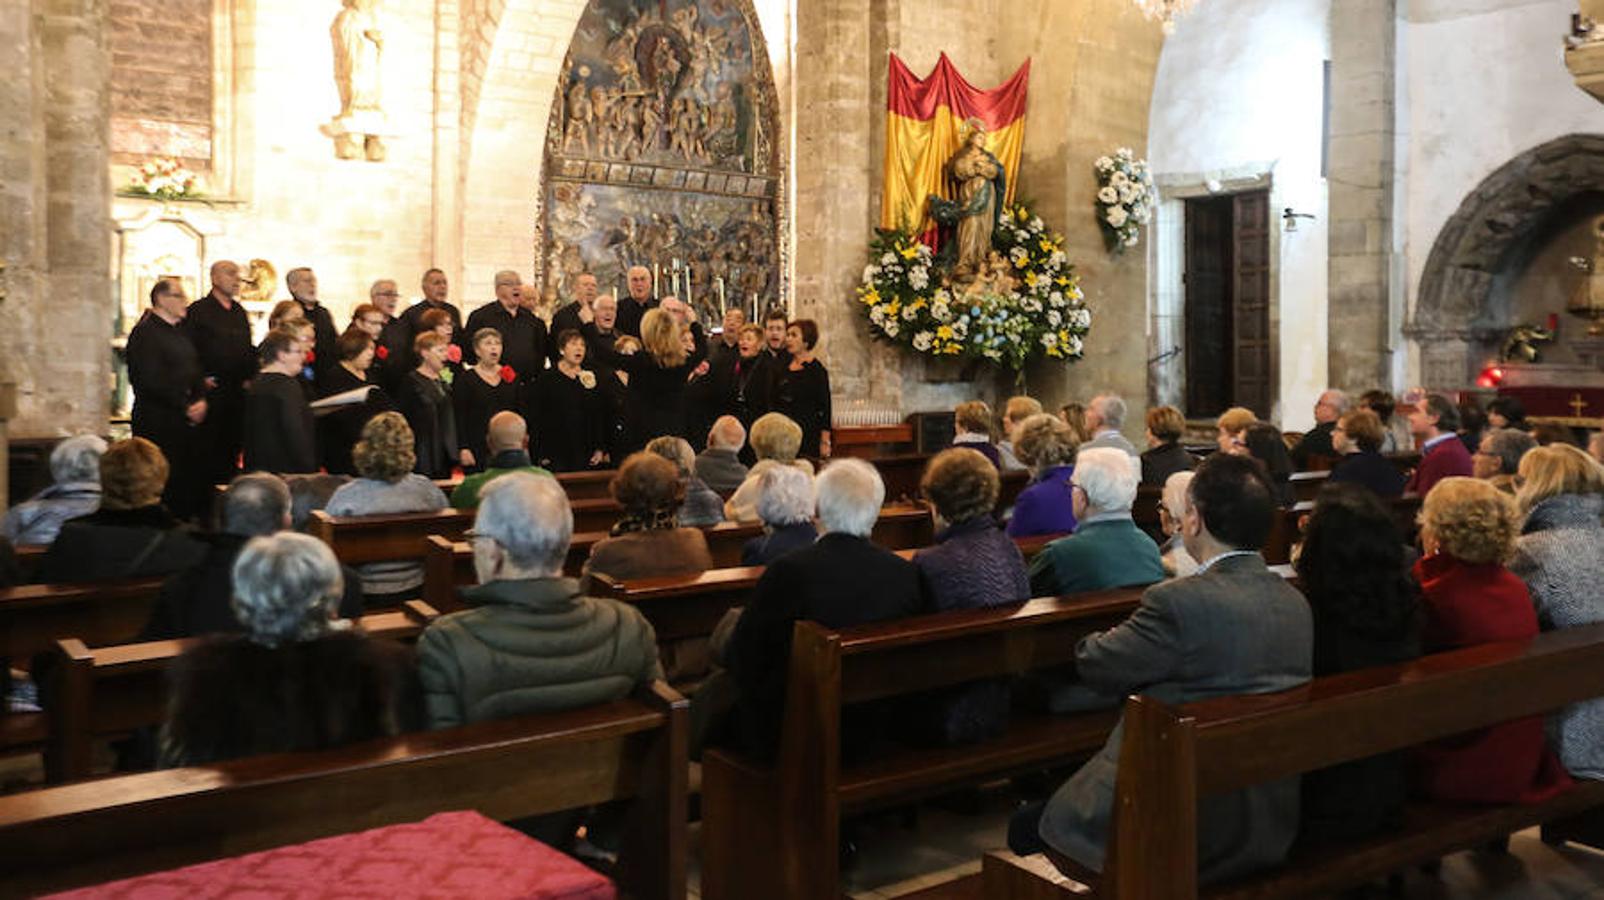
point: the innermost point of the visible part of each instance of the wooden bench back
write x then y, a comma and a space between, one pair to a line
635, 749
34, 616
1171, 756
109, 691
364, 539
901, 474
1285, 531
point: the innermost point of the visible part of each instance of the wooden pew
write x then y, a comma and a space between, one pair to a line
34, 616
1307, 485
1285, 532
28, 557
108, 692
772, 830
635, 750
1173, 755
364, 539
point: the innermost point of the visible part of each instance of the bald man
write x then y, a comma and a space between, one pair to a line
523, 334
508, 440
575, 314
221, 332
633, 306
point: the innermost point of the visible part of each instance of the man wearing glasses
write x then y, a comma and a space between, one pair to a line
389, 332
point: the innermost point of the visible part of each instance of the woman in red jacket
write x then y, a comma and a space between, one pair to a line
1468, 530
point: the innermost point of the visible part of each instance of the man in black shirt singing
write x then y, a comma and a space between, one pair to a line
221, 333
523, 334
435, 288
302, 284
170, 396
632, 308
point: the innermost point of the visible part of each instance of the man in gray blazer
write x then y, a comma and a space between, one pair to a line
1235, 627
1105, 415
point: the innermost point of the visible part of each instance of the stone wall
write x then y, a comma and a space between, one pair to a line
161, 80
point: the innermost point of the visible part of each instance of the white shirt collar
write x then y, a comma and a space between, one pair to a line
1437, 440
1209, 563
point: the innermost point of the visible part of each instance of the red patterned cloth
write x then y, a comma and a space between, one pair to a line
449, 855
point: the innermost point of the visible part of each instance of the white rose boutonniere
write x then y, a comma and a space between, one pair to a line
588, 379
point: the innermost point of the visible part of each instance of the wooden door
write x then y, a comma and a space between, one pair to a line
1251, 375
1209, 320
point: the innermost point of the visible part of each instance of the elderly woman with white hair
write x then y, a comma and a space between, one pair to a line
841, 580
1171, 507
530, 641
75, 471
785, 504
1107, 550
297, 678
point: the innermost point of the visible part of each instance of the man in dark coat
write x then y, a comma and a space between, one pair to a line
170, 396
840, 581
302, 284
278, 422
391, 346
576, 314
523, 334
435, 288
221, 331
1317, 441
633, 306
197, 601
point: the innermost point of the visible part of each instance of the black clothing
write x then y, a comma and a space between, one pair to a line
701, 408
474, 401
720, 353
1372, 470
523, 339
1316, 442
1159, 463
280, 435
658, 393
568, 419
427, 406
118, 543
804, 396
622, 417
745, 388
165, 372
391, 353
762, 550
325, 354
231, 697
630, 312
839, 581
222, 338
1366, 796
565, 319
198, 600
414, 312
598, 346
338, 431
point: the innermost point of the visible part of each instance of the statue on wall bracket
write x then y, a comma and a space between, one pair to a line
360, 128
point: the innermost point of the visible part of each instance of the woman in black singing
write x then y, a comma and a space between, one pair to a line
802, 389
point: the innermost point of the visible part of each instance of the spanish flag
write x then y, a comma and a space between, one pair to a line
925, 127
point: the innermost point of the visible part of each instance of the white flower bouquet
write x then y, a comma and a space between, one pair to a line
1125, 198
165, 179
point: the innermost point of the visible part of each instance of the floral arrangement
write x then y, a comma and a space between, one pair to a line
164, 179
1035, 307
1125, 198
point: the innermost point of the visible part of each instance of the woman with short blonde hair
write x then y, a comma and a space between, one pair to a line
972, 429
659, 373
1232, 425
385, 457
1047, 445
775, 440
1164, 455
424, 397
1560, 556
1468, 529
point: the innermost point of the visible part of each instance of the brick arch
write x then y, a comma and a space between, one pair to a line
1450, 325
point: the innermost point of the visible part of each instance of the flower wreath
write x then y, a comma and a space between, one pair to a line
1036, 308
1125, 198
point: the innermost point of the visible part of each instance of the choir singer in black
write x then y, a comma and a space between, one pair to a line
170, 396
278, 421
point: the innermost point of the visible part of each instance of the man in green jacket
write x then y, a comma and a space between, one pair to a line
1107, 550
508, 440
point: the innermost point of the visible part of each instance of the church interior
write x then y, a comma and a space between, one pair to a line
751, 449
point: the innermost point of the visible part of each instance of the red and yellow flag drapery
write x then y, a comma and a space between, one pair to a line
924, 128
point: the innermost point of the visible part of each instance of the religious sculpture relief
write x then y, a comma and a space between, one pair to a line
358, 37
661, 154
981, 189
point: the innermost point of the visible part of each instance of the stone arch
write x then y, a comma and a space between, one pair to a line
1453, 323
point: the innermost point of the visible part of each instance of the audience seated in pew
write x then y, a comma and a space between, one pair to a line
1468, 529
1366, 613
1015, 411
839, 581
1560, 557
1107, 550
1105, 416
74, 492
1171, 509
1497, 457
973, 565
1263, 442
720, 466
309, 493
701, 507
1357, 439
972, 429
1233, 628
508, 442
775, 439
1047, 446
131, 534
1435, 423
199, 600
385, 459
1164, 455
1317, 442
785, 501
297, 678
648, 540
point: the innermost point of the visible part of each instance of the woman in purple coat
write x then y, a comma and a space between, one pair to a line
1048, 446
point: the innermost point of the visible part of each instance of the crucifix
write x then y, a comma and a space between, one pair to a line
1577, 404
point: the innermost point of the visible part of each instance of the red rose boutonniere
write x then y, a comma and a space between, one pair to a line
454, 353
508, 374
311, 357
382, 352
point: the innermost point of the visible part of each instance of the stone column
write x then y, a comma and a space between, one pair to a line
1360, 176
448, 180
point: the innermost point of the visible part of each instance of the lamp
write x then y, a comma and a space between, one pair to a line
1165, 11
1289, 219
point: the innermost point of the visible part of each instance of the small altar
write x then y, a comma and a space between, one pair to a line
1570, 394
